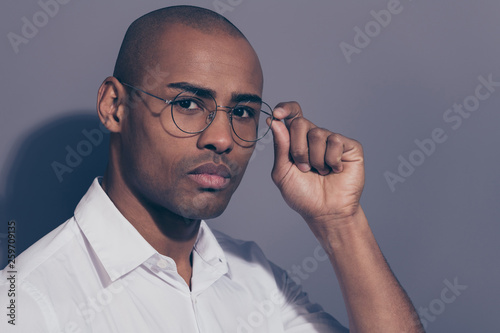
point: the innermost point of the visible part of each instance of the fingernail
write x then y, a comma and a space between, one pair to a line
304, 167
324, 172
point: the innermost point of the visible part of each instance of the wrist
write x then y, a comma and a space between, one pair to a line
337, 231
336, 221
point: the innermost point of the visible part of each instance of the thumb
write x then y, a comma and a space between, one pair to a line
281, 138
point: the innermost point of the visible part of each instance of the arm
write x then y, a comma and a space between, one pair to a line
321, 176
374, 299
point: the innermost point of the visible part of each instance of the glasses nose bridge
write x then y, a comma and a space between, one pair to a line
212, 114
229, 108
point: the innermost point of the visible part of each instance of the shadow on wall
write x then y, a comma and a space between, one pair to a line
47, 176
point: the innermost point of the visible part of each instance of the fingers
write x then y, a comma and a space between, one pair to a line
291, 114
299, 145
319, 149
335, 150
281, 140
308, 146
317, 139
287, 111
341, 149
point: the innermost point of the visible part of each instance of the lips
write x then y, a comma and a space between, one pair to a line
211, 176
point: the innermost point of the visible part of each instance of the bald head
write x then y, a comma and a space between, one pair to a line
137, 51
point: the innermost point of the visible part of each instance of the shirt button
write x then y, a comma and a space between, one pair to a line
162, 263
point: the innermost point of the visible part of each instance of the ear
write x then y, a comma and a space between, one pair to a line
111, 104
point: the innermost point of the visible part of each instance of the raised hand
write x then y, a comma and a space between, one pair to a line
319, 173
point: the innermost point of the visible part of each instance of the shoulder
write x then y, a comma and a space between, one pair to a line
42, 253
37, 278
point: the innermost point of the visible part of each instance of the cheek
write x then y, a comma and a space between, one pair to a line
148, 155
237, 161
240, 160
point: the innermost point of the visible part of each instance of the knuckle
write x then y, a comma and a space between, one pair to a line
294, 104
316, 134
334, 138
298, 123
332, 160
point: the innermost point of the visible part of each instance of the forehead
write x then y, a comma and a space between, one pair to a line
215, 60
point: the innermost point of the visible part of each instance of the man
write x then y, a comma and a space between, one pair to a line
138, 257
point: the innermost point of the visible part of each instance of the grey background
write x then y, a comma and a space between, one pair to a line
440, 224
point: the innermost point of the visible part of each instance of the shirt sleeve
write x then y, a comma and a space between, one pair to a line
299, 315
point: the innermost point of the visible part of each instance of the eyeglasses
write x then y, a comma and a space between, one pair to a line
192, 113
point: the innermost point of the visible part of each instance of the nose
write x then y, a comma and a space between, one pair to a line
218, 137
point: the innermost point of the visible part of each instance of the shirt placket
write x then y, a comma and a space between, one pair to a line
166, 269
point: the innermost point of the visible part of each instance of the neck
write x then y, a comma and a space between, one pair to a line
168, 233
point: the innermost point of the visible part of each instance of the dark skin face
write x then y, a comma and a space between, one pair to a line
155, 162
147, 177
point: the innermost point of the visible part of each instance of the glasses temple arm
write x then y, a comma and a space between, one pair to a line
145, 92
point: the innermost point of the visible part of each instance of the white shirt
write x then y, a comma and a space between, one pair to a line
96, 273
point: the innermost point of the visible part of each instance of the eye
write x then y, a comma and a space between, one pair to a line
188, 104
244, 112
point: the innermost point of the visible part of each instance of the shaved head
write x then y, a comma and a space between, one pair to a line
137, 51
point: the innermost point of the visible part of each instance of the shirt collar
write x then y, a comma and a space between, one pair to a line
121, 248
209, 251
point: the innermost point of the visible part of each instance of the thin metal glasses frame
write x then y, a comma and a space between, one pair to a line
168, 102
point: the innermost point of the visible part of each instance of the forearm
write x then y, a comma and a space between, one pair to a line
374, 299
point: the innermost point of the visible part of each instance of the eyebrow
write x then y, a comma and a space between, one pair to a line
207, 92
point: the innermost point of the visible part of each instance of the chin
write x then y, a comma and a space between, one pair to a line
202, 208
201, 214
